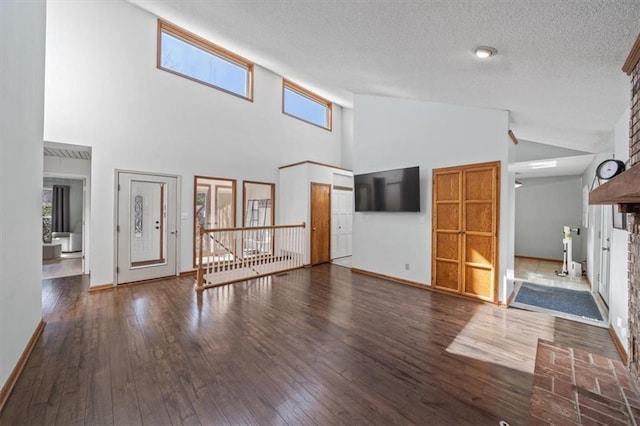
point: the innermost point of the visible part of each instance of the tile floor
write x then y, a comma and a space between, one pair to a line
62, 267
543, 272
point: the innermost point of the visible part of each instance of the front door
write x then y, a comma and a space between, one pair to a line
320, 223
146, 227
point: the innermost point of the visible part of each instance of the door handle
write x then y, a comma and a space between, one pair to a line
313, 229
605, 249
174, 232
157, 227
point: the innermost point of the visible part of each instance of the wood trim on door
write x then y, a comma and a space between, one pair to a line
193, 206
244, 200
328, 228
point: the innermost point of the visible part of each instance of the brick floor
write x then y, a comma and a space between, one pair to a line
574, 387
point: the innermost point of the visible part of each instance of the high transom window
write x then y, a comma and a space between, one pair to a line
300, 103
183, 53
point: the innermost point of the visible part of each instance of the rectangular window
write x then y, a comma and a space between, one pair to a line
300, 103
195, 58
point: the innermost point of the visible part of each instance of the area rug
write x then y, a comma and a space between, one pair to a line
573, 302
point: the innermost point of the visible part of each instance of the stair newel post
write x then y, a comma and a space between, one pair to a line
200, 273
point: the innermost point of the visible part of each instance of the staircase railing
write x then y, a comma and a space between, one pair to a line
227, 255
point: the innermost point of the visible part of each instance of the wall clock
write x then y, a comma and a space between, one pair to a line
609, 168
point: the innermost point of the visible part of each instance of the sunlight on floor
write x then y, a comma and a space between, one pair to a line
483, 338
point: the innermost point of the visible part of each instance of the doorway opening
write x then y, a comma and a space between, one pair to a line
66, 210
551, 231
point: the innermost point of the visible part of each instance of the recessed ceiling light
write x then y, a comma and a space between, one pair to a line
485, 52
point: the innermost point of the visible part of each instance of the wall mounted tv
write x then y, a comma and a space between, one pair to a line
388, 191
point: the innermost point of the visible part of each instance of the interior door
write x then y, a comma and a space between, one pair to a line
479, 231
341, 222
605, 246
465, 230
146, 227
446, 234
320, 223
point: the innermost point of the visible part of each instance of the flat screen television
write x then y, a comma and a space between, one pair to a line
388, 191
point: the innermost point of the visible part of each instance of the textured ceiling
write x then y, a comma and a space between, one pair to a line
558, 69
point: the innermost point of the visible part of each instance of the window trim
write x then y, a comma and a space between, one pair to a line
288, 84
207, 46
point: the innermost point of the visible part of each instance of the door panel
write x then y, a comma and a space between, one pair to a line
479, 217
447, 275
320, 223
478, 185
479, 249
448, 186
146, 224
480, 231
446, 230
479, 282
448, 217
341, 223
448, 245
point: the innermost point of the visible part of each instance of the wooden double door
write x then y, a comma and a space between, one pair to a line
465, 230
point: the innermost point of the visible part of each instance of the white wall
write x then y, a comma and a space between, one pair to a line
618, 281
103, 90
294, 192
543, 207
347, 138
393, 133
616, 144
22, 50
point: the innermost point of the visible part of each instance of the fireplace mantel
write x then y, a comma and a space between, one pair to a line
623, 189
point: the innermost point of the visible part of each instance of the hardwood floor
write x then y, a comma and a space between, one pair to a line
314, 346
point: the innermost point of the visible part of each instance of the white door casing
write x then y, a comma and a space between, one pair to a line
341, 223
604, 246
146, 227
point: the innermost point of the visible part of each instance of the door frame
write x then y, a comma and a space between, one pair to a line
606, 232
328, 185
86, 211
342, 189
116, 210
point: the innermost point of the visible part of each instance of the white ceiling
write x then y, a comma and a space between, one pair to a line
553, 166
63, 150
558, 69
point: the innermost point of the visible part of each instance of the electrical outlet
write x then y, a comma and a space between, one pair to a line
407, 266
619, 322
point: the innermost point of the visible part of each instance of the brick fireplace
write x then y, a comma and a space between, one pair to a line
633, 222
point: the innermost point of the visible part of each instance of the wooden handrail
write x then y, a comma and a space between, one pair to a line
200, 273
254, 228
236, 254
